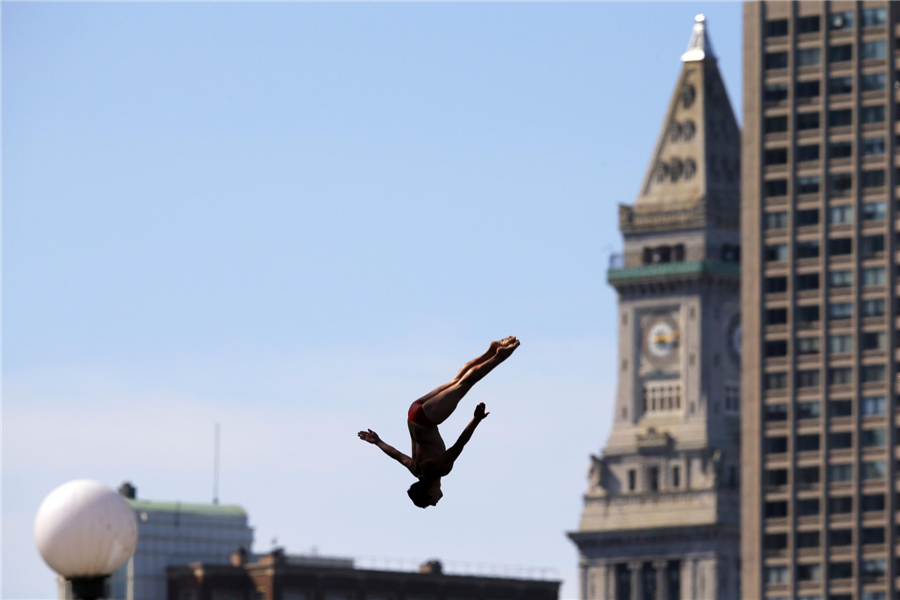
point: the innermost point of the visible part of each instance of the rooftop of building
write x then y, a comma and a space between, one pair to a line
129, 492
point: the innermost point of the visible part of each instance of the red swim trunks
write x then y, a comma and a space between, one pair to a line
417, 415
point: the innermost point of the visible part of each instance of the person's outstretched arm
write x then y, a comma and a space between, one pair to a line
454, 451
372, 437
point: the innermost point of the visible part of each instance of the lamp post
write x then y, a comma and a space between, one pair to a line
85, 531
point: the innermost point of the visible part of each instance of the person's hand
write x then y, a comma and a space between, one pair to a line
369, 436
479, 412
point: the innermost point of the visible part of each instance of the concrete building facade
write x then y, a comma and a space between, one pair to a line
661, 517
819, 298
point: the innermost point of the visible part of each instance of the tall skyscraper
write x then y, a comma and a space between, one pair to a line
818, 300
661, 514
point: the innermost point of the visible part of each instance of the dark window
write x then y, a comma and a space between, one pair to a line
809, 216
807, 89
874, 49
775, 541
808, 410
776, 124
775, 252
808, 539
807, 57
873, 308
841, 472
805, 121
838, 20
808, 185
776, 316
776, 348
632, 479
808, 24
809, 572
873, 211
809, 443
840, 376
871, 244
840, 408
807, 249
732, 252
872, 373
840, 505
839, 570
776, 477
873, 146
872, 568
840, 246
808, 508
840, 440
873, 535
775, 445
775, 220
808, 378
840, 310
776, 60
872, 82
840, 150
807, 314
808, 281
872, 114
872, 438
775, 285
840, 182
776, 156
808, 345
872, 179
873, 503
776, 28
840, 85
676, 477
653, 479
807, 153
776, 509
775, 413
840, 118
776, 187
841, 53
775, 92
840, 537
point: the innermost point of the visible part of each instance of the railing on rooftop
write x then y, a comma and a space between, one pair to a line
457, 568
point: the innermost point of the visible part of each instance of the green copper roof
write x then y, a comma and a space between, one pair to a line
232, 510
662, 270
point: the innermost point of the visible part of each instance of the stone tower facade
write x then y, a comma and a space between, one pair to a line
661, 513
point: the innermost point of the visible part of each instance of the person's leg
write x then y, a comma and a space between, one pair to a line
442, 404
491, 351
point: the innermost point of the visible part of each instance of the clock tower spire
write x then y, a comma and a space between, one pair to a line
661, 513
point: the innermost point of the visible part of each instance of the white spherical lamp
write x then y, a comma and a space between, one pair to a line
85, 530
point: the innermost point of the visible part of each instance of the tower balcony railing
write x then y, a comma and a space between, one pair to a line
629, 266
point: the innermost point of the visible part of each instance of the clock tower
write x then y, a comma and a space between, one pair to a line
661, 512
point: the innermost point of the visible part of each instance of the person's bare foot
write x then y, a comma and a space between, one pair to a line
503, 352
501, 343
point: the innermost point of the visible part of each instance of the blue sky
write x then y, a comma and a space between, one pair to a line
294, 219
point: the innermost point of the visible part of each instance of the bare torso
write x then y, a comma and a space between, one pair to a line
428, 450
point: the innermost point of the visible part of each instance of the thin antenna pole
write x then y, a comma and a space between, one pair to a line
216, 470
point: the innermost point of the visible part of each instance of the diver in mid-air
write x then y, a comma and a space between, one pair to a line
431, 459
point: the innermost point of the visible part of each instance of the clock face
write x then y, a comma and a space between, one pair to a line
662, 338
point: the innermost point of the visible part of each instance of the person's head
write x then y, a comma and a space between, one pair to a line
425, 492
